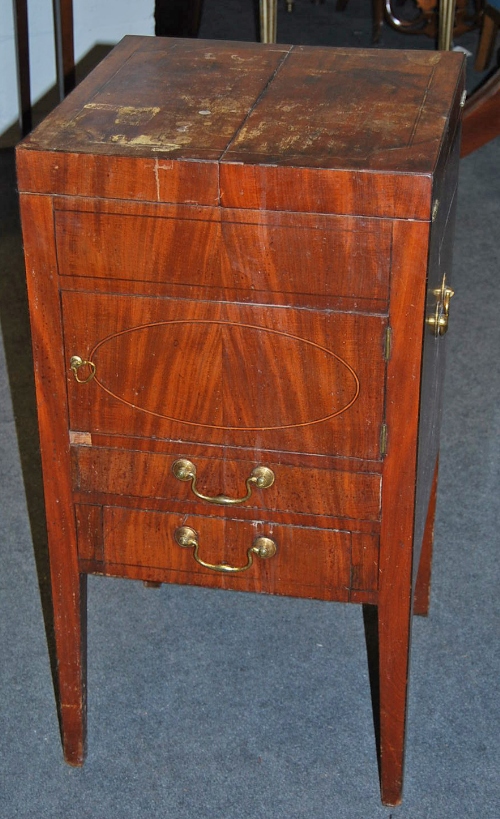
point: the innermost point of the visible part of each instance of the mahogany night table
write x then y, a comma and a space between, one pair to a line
238, 263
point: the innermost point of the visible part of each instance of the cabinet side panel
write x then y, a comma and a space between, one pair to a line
434, 348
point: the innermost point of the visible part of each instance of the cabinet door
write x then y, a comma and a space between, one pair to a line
242, 375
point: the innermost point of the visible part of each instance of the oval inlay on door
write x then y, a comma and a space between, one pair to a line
224, 375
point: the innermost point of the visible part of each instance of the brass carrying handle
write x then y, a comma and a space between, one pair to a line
261, 476
76, 362
438, 321
262, 546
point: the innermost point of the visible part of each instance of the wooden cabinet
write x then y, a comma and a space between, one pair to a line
238, 261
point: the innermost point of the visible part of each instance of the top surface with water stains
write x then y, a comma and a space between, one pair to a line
248, 114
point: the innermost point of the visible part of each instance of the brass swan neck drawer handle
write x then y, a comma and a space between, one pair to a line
438, 321
261, 476
76, 363
263, 547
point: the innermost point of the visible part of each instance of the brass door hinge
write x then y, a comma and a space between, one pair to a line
387, 343
383, 440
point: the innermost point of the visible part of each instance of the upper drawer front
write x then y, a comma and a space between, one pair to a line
256, 253
296, 490
265, 378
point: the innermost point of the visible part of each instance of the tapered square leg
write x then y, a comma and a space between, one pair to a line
70, 618
394, 654
388, 670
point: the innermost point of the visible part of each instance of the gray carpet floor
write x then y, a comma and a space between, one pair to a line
205, 704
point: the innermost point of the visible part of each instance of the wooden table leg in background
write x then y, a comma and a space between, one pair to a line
20, 8
65, 51
65, 55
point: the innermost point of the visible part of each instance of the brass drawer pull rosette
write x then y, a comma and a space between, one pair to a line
188, 538
261, 476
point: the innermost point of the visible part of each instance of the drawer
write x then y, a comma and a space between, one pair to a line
138, 247
322, 563
271, 378
295, 490
330, 256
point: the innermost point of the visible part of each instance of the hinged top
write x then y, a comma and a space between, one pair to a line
253, 126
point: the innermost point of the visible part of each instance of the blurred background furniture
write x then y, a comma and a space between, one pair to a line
430, 16
481, 121
489, 30
445, 19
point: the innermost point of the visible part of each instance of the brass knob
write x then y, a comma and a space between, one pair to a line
76, 363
